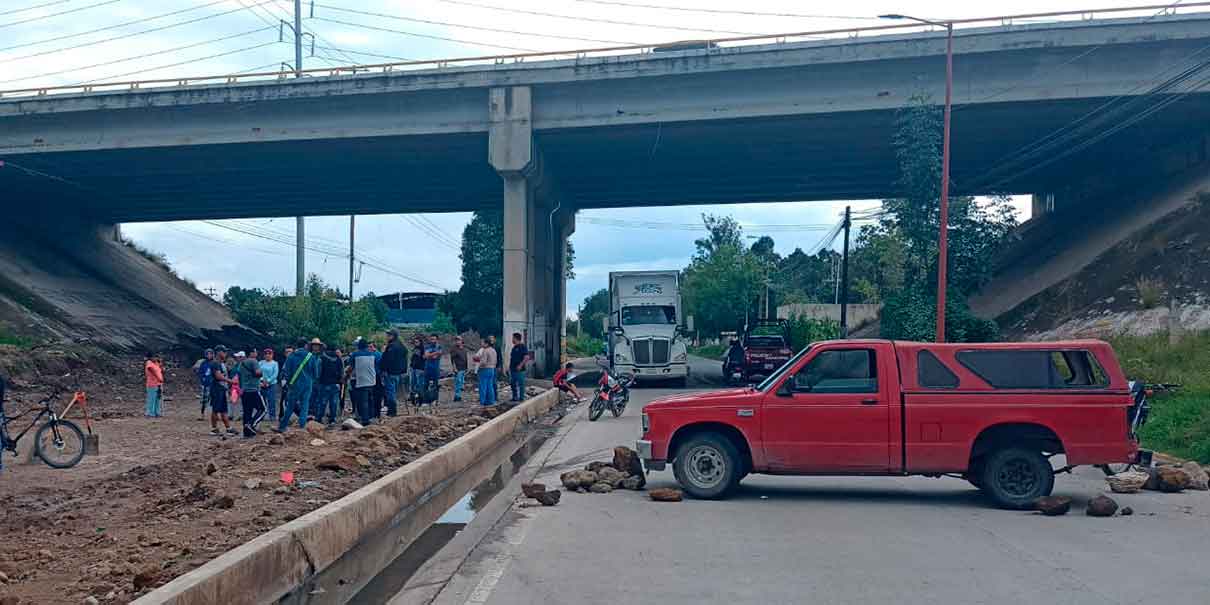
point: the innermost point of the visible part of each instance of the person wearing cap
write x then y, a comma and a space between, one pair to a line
202, 369
218, 392
300, 372
363, 369
394, 365
269, 386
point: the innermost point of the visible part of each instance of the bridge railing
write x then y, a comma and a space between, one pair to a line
705, 45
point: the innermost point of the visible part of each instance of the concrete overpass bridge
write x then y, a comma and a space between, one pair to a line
1040, 108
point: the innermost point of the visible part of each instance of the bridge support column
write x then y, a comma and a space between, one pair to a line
534, 241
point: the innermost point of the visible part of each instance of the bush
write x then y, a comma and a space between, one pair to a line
1150, 292
1179, 422
8, 338
911, 315
585, 346
806, 330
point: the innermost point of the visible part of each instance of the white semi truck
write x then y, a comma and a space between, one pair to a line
644, 326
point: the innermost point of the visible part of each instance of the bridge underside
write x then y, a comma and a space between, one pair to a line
804, 158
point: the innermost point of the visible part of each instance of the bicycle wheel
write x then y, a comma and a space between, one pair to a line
59, 443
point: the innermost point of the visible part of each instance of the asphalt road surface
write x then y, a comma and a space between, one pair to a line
818, 540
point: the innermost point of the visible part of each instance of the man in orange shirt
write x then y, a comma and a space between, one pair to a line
153, 369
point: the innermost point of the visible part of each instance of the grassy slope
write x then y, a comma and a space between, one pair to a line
1180, 422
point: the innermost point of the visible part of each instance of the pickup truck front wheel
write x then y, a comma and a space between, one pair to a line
707, 466
1014, 477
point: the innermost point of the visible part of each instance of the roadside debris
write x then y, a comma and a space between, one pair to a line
318, 442
1198, 478
1129, 482
666, 494
1101, 506
338, 462
533, 490
1053, 506
1170, 479
549, 498
627, 461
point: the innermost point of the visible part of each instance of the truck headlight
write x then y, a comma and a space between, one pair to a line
680, 358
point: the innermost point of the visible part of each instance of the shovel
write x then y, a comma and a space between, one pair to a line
92, 441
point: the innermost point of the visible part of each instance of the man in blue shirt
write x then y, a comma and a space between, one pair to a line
363, 369
300, 373
204, 379
518, 358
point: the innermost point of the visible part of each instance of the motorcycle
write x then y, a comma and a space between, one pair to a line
733, 372
1140, 393
613, 392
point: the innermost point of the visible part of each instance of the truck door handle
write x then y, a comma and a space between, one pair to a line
869, 402
745, 413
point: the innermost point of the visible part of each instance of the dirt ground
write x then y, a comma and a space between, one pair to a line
163, 497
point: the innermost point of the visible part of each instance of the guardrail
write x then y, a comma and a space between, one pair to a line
708, 45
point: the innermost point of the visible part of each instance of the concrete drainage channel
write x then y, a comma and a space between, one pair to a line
363, 547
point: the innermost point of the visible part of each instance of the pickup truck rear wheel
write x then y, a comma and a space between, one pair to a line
707, 466
1014, 477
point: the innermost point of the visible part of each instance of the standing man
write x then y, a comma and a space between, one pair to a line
491, 340
281, 402
416, 384
394, 364
330, 373
432, 365
219, 384
202, 368
458, 360
486, 358
364, 372
154, 374
301, 372
251, 402
518, 358
269, 386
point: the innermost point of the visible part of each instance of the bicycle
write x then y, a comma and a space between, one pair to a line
58, 442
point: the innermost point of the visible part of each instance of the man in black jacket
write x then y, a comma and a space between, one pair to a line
394, 365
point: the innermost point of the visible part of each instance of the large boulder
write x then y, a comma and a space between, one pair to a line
1101, 506
600, 487
632, 482
577, 479
1171, 479
1053, 506
596, 466
611, 475
627, 461
1129, 482
533, 490
1198, 479
549, 498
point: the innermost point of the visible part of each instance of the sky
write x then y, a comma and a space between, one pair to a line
60, 42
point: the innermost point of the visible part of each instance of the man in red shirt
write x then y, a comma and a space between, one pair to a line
562, 384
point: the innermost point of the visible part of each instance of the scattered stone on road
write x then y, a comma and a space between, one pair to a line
1053, 506
318, 442
316, 429
627, 461
222, 501
145, 577
633, 482
596, 466
362, 461
1129, 482
1198, 478
252, 484
1127, 511
533, 490
91, 600
549, 498
600, 487
666, 494
1101, 506
211, 468
576, 479
1171, 479
612, 476
338, 462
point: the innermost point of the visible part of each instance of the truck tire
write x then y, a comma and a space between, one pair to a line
1014, 477
708, 466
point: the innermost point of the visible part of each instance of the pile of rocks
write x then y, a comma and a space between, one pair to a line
625, 471
1098, 506
1168, 478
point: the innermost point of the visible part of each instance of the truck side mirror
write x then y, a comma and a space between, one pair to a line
784, 389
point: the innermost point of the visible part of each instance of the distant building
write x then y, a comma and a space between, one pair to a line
410, 309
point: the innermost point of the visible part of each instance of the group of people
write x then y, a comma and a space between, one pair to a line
312, 381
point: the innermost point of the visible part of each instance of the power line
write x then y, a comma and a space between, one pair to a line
315, 33
417, 35
428, 231
346, 51
180, 63
51, 15
595, 20
717, 11
30, 8
136, 57
129, 35
272, 20
473, 27
438, 229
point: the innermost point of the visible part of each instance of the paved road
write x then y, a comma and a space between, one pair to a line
826, 540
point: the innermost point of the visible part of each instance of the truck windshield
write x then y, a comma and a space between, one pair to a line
633, 316
767, 383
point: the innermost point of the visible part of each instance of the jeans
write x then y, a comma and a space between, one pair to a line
297, 400
417, 383
459, 382
270, 395
517, 381
329, 401
361, 404
253, 404
155, 397
392, 383
487, 386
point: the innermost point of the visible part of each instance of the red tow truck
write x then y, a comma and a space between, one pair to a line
994, 414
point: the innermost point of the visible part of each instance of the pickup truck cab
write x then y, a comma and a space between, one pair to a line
994, 414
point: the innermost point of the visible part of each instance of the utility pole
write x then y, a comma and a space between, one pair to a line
351, 234
300, 226
844, 277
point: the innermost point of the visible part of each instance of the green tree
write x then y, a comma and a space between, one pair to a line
479, 303
593, 312
722, 289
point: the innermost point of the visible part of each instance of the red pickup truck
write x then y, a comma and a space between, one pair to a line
994, 414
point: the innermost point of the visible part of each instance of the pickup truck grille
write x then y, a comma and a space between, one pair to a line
651, 351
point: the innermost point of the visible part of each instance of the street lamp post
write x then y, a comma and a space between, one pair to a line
943, 235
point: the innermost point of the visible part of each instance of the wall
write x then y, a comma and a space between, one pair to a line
858, 314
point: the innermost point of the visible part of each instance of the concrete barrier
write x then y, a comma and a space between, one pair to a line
277, 563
